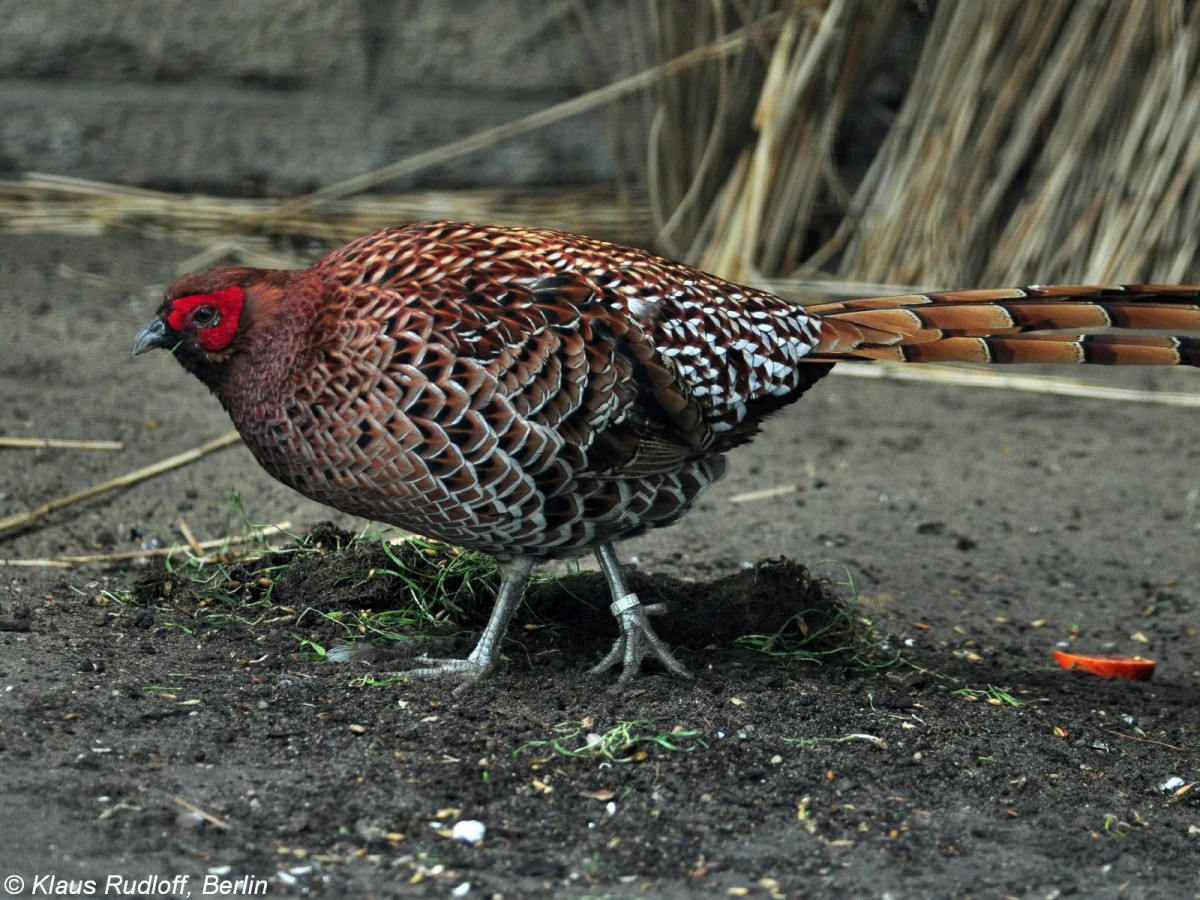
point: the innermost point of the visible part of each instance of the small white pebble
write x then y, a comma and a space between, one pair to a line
469, 831
1171, 784
610, 808
462, 890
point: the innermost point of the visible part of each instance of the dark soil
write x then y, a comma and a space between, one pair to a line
148, 729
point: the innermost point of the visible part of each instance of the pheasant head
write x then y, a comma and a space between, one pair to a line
223, 321
202, 318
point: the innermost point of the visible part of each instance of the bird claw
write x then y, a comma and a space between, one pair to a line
483, 658
637, 641
467, 671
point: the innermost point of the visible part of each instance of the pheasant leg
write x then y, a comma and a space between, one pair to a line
637, 639
482, 659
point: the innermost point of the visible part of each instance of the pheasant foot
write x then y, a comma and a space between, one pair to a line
482, 659
637, 639
466, 671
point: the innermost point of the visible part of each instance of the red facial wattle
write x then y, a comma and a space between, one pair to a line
223, 306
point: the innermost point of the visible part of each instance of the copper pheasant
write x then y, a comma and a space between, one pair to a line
538, 395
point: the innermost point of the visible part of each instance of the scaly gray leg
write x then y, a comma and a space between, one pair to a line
482, 659
637, 640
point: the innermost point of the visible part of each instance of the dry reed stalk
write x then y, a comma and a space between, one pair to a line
239, 251
781, 490
23, 204
703, 114
1036, 142
490, 137
1113, 219
1030, 384
20, 520
1050, 141
40, 203
202, 814
190, 536
201, 547
820, 289
63, 443
778, 189
768, 123
912, 191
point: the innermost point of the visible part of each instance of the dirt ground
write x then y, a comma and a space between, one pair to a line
984, 528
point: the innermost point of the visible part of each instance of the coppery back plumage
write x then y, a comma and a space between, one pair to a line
522, 392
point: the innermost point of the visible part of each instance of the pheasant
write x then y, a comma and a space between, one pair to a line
537, 395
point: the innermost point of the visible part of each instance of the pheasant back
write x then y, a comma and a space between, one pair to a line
520, 392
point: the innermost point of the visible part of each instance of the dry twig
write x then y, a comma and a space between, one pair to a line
64, 443
200, 549
20, 520
1031, 384
206, 816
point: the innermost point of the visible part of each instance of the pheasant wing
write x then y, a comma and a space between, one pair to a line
516, 367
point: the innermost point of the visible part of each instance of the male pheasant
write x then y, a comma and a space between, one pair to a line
536, 395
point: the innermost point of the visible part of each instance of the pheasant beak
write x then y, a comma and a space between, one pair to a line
155, 334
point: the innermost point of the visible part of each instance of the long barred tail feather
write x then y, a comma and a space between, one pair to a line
1092, 349
1016, 325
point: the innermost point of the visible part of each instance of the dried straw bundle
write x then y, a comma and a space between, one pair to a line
51, 203
743, 149
1051, 141
1054, 141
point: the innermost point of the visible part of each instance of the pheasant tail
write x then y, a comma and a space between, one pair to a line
1017, 325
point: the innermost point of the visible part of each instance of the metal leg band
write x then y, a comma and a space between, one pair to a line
628, 602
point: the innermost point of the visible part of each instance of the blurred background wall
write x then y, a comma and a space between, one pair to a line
282, 96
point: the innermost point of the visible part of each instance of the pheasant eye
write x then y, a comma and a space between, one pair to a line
206, 316
213, 317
